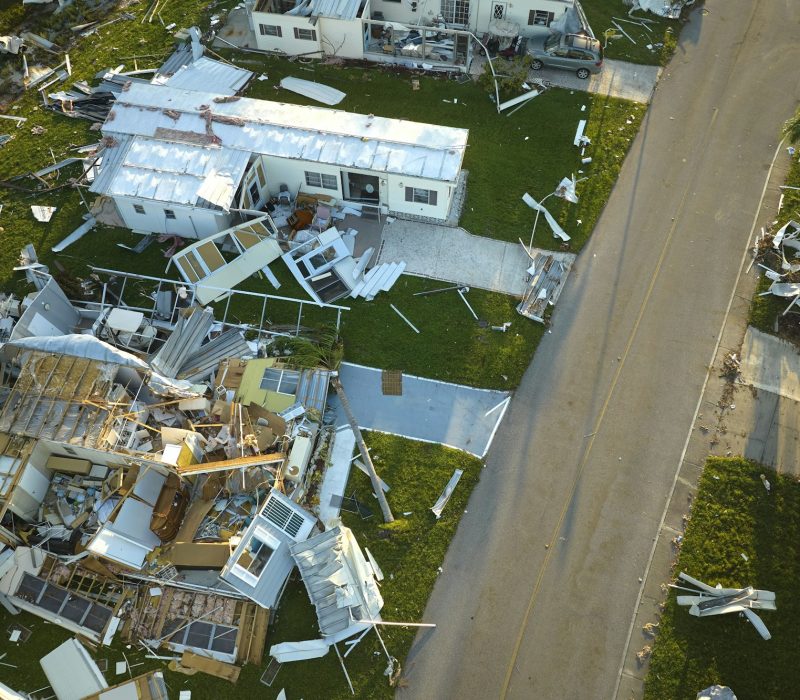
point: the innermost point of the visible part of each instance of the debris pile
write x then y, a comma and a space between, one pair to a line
161, 478
777, 251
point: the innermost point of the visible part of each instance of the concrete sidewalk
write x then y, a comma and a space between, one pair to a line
759, 415
454, 255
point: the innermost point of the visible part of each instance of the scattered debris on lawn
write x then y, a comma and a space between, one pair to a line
441, 502
770, 253
400, 314
558, 232
671, 9
708, 601
43, 214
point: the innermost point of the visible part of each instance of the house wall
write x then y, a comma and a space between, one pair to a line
292, 173
480, 14
391, 187
286, 42
395, 191
342, 38
518, 12
250, 390
45, 448
189, 222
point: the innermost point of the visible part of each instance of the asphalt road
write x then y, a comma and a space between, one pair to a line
541, 580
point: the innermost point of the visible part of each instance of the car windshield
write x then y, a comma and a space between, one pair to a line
552, 41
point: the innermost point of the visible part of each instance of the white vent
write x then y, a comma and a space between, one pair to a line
283, 517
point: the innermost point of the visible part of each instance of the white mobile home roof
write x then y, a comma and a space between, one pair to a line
313, 134
166, 171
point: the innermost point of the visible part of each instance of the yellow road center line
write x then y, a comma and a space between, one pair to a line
592, 437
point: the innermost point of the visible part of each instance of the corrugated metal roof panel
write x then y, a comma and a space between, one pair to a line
211, 76
135, 167
294, 131
338, 9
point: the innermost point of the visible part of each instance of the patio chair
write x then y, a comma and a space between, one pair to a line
284, 196
322, 218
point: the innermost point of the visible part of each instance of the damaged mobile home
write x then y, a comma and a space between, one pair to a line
440, 36
194, 163
159, 476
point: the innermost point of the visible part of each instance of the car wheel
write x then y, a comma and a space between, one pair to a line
582, 73
537, 64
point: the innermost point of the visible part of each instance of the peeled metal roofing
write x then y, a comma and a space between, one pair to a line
338, 9
339, 581
211, 76
136, 167
291, 131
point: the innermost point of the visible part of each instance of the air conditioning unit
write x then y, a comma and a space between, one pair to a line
299, 456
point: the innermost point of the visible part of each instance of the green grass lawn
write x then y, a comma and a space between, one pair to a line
409, 551
733, 515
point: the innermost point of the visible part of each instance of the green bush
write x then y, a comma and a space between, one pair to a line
510, 74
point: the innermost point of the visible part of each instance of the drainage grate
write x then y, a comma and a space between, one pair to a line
392, 382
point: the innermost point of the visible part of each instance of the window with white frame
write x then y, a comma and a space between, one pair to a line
169, 213
322, 180
283, 381
254, 556
255, 195
269, 30
498, 10
307, 34
420, 196
540, 18
456, 12
138, 208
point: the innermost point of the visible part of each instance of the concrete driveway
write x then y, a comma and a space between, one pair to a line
454, 255
451, 414
539, 586
629, 81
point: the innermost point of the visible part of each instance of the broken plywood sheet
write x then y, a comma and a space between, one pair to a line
212, 667
235, 463
392, 382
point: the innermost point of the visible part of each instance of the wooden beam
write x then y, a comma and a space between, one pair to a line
226, 464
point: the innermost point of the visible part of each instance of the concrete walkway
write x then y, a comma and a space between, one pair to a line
759, 415
771, 364
453, 255
451, 414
